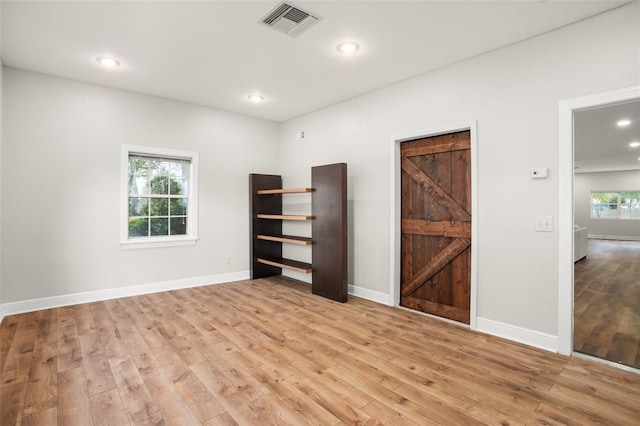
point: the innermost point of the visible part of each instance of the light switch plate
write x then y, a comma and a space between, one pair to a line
544, 224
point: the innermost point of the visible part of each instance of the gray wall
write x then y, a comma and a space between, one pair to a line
1, 134
513, 93
584, 183
61, 185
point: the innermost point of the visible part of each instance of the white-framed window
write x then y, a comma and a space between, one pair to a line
159, 189
615, 205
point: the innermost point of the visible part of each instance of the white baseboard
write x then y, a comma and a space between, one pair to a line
511, 332
518, 334
114, 293
612, 237
365, 293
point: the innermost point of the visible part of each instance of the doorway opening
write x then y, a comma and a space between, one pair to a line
606, 188
570, 249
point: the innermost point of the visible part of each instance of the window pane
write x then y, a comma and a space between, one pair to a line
154, 166
630, 199
139, 185
185, 186
158, 194
178, 226
604, 211
178, 207
160, 185
138, 227
159, 207
159, 226
138, 176
138, 206
160, 168
180, 169
178, 186
630, 207
604, 197
138, 166
604, 205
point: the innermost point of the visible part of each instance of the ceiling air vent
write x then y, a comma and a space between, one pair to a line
289, 19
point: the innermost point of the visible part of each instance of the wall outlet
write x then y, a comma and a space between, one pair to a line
227, 260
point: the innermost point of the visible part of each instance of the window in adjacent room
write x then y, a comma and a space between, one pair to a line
159, 197
615, 205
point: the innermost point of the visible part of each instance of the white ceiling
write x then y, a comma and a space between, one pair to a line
600, 144
216, 53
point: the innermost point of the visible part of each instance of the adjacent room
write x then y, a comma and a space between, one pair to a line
318, 212
607, 233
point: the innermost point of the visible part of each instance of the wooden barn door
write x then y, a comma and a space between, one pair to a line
436, 225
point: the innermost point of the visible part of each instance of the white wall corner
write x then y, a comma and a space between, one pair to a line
372, 295
115, 293
518, 334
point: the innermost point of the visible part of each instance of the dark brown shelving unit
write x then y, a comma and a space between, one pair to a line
328, 226
284, 217
289, 239
293, 265
329, 231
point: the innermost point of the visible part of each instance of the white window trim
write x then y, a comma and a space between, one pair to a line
192, 206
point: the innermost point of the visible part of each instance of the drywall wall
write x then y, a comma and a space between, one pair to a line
1, 133
61, 185
584, 183
513, 93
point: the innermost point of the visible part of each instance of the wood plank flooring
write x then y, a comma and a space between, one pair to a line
268, 352
607, 302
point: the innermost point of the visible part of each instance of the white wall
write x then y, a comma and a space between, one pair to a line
1, 133
61, 183
584, 183
513, 93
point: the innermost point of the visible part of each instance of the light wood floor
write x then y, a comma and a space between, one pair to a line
607, 302
268, 352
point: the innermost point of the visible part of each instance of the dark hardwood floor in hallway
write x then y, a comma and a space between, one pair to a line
607, 302
269, 352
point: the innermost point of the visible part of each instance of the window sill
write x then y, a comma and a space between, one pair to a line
158, 242
614, 218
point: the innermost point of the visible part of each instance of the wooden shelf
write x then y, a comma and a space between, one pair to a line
289, 239
284, 191
284, 216
328, 220
293, 265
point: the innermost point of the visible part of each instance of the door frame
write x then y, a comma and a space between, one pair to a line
566, 109
395, 213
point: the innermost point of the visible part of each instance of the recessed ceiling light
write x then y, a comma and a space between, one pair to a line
256, 98
634, 144
623, 123
107, 62
348, 47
